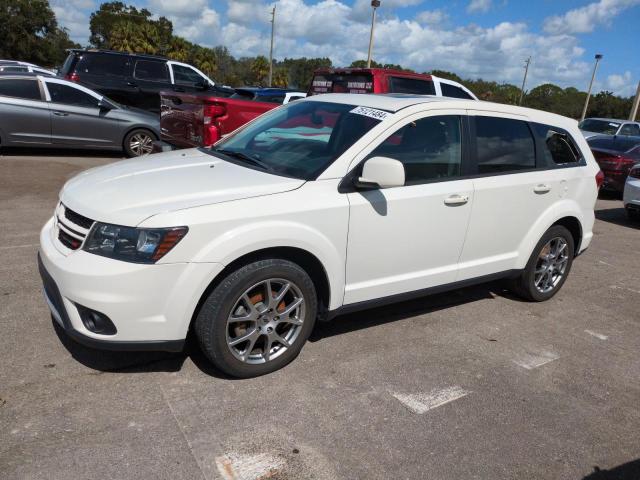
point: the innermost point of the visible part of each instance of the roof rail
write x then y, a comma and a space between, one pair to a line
115, 52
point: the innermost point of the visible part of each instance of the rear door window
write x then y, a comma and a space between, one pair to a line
70, 96
411, 85
503, 145
26, 89
453, 91
151, 71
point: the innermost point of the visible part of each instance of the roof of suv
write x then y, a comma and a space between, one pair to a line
611, 120
116, 52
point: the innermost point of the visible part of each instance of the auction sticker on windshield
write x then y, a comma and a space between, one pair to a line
370, 112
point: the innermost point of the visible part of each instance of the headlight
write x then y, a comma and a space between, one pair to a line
138, 245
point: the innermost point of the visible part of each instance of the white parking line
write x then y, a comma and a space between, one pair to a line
423, 402
234, 466
597, 335
535, 360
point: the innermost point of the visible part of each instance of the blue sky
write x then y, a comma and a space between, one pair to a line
474, 38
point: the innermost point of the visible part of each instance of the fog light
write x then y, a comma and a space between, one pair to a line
96, 322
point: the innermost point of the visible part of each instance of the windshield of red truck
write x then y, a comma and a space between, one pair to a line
299, 140
342, 83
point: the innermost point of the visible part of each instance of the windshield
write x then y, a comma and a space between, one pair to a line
299, 140
599, 126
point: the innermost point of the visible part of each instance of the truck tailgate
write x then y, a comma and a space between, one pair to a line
181, 119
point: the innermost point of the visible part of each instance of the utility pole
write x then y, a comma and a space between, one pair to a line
375, 4
598, 57
524, 80
273, 25
636, 102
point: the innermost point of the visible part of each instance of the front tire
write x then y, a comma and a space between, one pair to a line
138, 142
257, 319
548, 267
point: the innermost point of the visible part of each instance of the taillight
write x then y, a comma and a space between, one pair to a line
599, 179
74, 77
626, 163
635, 172
213, 111
210, 135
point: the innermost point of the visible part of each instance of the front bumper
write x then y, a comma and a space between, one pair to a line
631, 197
151, 306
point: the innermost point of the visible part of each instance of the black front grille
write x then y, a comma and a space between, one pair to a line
68, 241
78, 219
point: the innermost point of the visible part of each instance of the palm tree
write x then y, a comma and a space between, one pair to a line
260, 69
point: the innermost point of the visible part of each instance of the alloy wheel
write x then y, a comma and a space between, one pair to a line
265, 320
551, 265
141, 144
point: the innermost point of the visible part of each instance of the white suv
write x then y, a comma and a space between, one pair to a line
326, 205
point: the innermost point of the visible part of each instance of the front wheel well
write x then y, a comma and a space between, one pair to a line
303, 258
147, 129
573, 225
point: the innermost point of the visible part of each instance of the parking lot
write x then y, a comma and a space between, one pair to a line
470, 384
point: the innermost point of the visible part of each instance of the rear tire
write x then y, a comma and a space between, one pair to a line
246, 333
547, 268
138, 142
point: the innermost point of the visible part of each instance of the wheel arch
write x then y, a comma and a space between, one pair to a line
574, 226
138, 127
305, 259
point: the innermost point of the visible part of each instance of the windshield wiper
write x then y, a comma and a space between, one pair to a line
247, 158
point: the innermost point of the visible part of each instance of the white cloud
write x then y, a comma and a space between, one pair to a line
479, 6
70, 15
432, 17
586, 19
621, 84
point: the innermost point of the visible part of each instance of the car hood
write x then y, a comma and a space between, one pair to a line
128, 192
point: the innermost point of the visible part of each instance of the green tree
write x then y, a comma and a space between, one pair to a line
260, 70
109, 17
130, 37
29, 32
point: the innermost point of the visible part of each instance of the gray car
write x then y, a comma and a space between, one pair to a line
608, 126
39, 111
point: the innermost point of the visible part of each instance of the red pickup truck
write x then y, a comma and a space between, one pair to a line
196, 120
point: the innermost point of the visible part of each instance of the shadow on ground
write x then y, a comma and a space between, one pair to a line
617, 216
626, 471
58, 152
143, 362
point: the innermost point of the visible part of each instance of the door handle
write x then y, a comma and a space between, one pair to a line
132, 84
61, 114
542, 188
455, 200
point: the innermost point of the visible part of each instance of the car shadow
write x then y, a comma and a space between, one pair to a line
400, 311
105, 361
626, 471
58, 152
617, 216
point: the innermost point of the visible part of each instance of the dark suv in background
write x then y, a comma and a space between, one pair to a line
135, 79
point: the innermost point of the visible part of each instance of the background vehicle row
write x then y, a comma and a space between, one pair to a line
43, 111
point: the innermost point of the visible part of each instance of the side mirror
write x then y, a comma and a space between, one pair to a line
381, 172
104, 105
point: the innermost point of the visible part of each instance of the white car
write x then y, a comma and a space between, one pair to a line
14, 67
253, 240
631, 196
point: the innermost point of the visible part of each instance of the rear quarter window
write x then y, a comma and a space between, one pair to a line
106, 64
26, 89
559, 147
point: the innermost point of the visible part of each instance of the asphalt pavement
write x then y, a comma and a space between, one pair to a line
473, 384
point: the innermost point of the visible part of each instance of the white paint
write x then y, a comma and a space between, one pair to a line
617, 287
605, 263
535, 360
597, 335
423, 402
235, 466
